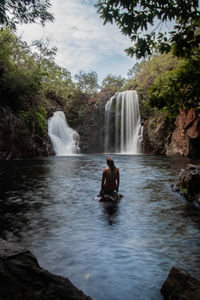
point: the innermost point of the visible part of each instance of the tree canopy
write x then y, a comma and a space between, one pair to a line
30, 81
87, 82
142, 21
13, 12
114, 82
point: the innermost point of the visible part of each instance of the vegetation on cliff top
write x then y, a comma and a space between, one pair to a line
177, 85
29, 79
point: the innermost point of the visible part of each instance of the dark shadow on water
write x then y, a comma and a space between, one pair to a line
21, 196
111, 212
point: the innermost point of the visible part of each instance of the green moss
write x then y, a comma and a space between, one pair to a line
36, 120
184, 190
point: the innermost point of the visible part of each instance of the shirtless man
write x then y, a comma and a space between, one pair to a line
110, 178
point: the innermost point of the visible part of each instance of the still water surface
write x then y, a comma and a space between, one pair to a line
121, 252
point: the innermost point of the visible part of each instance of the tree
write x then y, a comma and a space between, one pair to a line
136, 17
44, 51
56, 80
87, 82
13, 12
178, 89
134, 70
113, 82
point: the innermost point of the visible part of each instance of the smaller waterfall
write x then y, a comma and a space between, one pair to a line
123, 125
64, 139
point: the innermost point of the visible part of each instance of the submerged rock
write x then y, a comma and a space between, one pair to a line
188, 183
114, 198
180, 285
22, 278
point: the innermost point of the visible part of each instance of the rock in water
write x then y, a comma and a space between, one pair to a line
114, 198
188, 183
22, 278
180, 285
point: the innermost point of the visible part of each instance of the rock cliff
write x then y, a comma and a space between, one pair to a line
180, 139
92, 129
159, 138
16, 140
156, 135
186, 136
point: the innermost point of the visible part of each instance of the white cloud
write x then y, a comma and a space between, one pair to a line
83, 42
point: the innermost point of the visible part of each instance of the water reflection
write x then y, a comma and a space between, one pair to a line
122, 251
111, 212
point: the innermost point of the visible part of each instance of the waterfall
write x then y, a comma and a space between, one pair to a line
123, 124
64, 139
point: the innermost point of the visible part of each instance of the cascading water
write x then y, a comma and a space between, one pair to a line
123, 124
64, 139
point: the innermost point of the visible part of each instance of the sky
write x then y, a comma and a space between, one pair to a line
83, 42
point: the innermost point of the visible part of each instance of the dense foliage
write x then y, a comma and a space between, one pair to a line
167, 83
13, 12
116, 83
177, 85
30, 80
143, 22
87, 82
178, 89
146, 73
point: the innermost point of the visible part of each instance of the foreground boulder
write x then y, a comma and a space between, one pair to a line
188, 183
180, 285
22, 278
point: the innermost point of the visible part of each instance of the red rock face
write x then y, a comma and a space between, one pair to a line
156, 135
186, 136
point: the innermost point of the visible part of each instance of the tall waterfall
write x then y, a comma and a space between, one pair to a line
64, 139
123, 124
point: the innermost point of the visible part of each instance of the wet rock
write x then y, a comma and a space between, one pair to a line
16, 140
186, 136
92, 128
156, 135
179, 139
22, 278
114, 198
180, 285
188, 183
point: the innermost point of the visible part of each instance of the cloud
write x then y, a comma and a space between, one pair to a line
83, 42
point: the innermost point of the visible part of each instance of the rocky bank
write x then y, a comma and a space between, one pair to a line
159, 137
187, 183
156, 135
179, 139
22, 278
16, 140
186, 136
180, 285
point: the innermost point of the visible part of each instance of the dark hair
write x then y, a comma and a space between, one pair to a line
110, 163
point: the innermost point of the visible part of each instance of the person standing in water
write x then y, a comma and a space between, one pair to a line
110, 178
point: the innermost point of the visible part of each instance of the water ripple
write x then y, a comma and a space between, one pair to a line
118, 252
